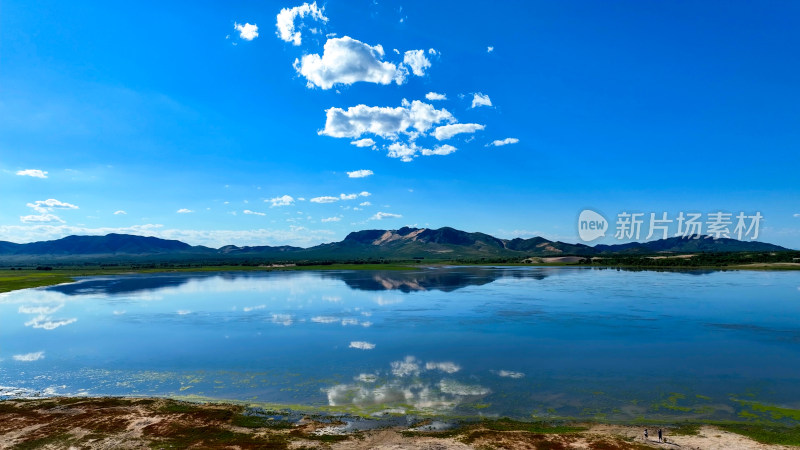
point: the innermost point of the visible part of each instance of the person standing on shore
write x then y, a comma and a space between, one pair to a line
645, 434
659, 435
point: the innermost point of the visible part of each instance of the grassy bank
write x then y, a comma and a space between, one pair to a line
166, 423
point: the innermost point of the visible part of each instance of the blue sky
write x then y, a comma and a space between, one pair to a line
137, 111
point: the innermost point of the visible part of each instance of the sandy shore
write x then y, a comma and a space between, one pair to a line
100, 423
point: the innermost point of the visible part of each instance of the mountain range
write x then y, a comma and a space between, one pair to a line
403, 244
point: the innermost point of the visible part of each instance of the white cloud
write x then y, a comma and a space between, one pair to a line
120, 212
348, 196
248, 31
510, 374
479, 99
795, 215
43, 206
406, 152
282, 319
416, 60
364, 194
286, 19
46, 322
489, 49
447, 367
284, 200
346, 61
36, 173
447, 131
254, 213
366, 142
501, 142
360, 173
325, 319
324, 199
365, 204
39, 309
433, 96
183, 312
332, 219
385, 215
253, 308
184, 211
40, 218
440, 150
409, 366
361, 345
386, 122
28, 357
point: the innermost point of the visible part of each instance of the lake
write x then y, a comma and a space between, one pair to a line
459, 341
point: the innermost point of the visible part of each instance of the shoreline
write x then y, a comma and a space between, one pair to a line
13, 280
131, 422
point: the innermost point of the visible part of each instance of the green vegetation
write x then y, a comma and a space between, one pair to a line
766, 434
685, 429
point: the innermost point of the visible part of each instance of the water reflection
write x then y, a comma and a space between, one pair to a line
445, 279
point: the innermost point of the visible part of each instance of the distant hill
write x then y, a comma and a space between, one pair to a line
405, 243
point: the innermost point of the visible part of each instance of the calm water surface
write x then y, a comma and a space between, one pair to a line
512, 341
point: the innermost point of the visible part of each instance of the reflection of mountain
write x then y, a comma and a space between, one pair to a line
125, 284
441, 279
444, 279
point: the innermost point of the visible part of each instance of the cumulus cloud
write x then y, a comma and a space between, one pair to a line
364, 194
409, 366
383, 121
28, 357
348, 196
325, 319
119, 212
502, 142
366, 142
489, 49
36, 173
440, 150
360, 173
248, 31
332, 219
406, 152
287, 17
346, 61
479, 99
361, 345
184, 211
385, 215
447, 131
46, 322
40, 218
447, 367
284, 200
253, 308
365, 204
254, 213
510, 374
324, 199
43, 206
433, 96
282, 319
416, 60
